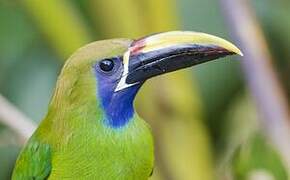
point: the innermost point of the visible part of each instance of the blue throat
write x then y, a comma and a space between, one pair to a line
118, 106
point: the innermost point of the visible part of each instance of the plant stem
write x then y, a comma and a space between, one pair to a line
16, 120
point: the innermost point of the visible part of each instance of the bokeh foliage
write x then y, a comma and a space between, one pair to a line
196, 112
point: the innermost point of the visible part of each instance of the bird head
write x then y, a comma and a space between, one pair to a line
109, 73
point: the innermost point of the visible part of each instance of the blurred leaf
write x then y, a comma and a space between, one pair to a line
16, 36
160, 15
8, 155
61, 23
117, 20
251, 156
248, 150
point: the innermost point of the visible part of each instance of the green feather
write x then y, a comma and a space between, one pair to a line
73, 142
35, 161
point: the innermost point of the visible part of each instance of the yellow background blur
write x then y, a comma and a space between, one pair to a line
204, 120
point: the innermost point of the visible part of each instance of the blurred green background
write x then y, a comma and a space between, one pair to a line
204, 120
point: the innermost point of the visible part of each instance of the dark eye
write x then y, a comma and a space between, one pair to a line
106, 65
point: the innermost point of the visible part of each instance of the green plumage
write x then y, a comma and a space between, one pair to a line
73, 142
91, 130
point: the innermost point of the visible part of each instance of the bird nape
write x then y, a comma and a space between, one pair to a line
91, 130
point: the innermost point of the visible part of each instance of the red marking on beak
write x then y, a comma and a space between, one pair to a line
137, 46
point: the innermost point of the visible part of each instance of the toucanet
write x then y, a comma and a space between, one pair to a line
91, 130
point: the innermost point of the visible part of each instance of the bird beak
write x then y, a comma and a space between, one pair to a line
170, 51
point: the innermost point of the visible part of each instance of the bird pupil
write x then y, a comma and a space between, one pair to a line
107, 65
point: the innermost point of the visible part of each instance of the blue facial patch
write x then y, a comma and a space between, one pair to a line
117, 106
120, 108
